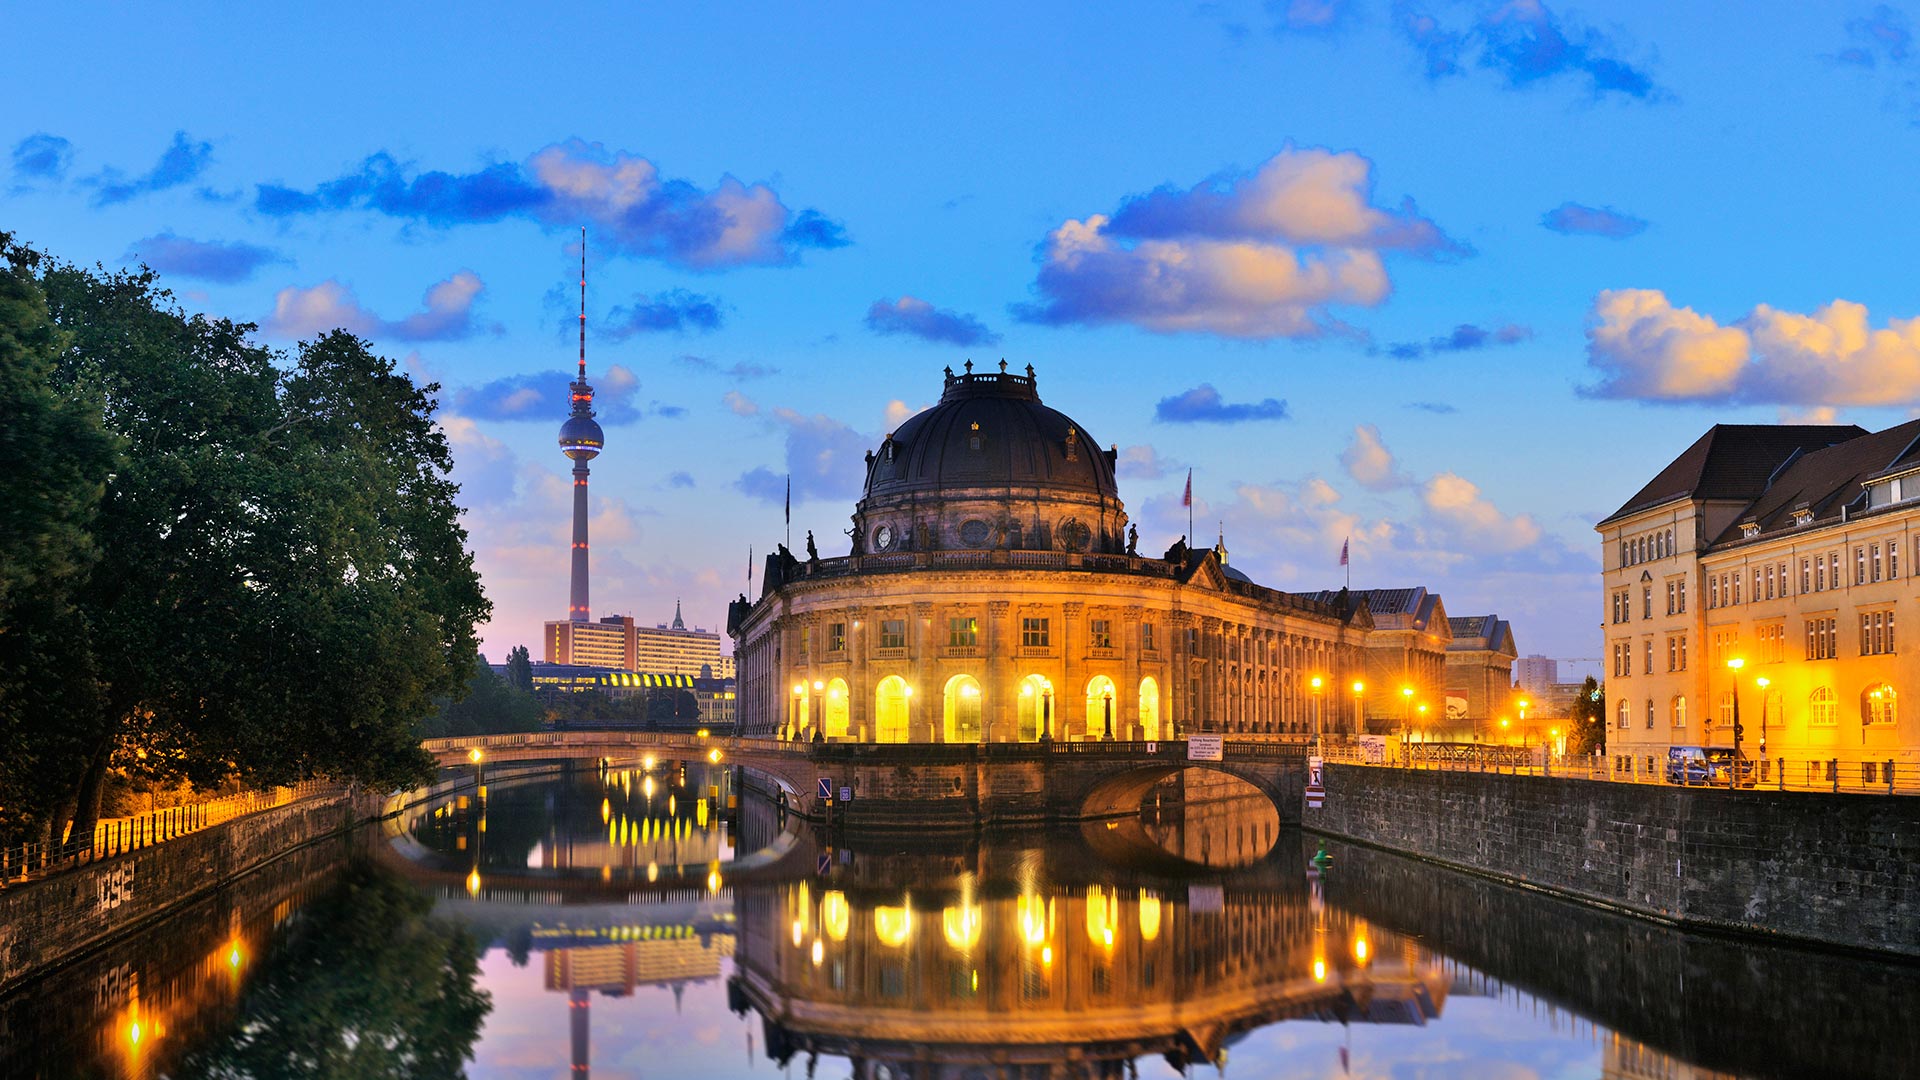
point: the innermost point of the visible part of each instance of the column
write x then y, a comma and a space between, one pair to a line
859, 689
1074, 669
996, 722
1210, 682
1130, 665
923, 708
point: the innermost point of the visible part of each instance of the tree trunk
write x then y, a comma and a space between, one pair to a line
86, 811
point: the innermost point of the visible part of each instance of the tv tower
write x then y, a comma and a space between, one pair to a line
581, 440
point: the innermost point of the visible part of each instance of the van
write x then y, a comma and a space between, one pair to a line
1709, 765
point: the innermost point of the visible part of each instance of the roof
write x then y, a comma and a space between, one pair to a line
1734, 462
1481, 632
989, 430
1824, 480
1395, 609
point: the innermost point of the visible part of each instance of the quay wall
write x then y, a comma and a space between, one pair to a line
1836, 869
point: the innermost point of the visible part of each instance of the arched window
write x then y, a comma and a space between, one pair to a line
1823, 708
1102, 707
1877, 704
1038, 710
1649, 714
1150, 708
960, 711
891, 717
839, 710
1626, 714
1679, 710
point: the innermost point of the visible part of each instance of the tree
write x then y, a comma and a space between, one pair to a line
520, 668
283, 588
1588, 722
490, 706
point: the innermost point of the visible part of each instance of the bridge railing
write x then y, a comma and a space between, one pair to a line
1266, 748
25, 862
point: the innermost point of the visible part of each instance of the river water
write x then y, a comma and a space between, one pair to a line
657, 923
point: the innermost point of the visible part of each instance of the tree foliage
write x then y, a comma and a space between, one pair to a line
282, 587
491, 706
1588, 734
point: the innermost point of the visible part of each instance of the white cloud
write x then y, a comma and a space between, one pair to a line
1644, 347
740, 404
447, 312
1369, 462
1471, 521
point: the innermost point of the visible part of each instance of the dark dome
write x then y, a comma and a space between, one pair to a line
991, 431
580, 437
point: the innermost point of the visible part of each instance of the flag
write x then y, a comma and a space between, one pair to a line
1187, 499
1343, 551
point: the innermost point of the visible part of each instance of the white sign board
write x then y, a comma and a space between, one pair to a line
1206, 898
1316, 791
1373, 748
1203, 748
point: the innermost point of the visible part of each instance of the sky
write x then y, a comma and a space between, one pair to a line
1449, 280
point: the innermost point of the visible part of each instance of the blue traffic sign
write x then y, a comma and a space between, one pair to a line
826, 788
824, 863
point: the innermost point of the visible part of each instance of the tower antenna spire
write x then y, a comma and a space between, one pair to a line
583, 303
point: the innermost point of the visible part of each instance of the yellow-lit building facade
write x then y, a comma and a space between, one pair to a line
994, 594
1772, 566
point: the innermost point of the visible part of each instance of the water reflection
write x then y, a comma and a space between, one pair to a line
1199, 935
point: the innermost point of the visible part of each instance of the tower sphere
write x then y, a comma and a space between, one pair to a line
580, 438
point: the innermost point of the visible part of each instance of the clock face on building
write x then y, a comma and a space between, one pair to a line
883, 538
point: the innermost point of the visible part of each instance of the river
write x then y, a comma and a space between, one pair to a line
659, 923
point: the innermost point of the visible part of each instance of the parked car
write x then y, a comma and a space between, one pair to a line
1709, 765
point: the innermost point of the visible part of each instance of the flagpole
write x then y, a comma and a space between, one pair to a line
789, 511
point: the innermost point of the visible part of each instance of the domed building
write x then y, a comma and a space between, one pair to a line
994, 593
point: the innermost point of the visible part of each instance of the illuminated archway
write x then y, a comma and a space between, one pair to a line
891, 716
961, 710
802, 719
1149, 709
1102, 706
838, 710
1035, 701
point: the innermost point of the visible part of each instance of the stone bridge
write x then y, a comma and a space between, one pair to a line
918, 785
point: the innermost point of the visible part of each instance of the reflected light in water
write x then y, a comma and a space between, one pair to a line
962, 926
1149, 915
835, 915
819, 952
473, 882
892, 925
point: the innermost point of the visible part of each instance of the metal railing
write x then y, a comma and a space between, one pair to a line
25, 862
1856, 775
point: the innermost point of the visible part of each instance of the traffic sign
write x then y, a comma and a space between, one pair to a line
846, 794
824, 863
826, 788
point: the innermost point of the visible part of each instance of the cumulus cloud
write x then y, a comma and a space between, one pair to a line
1471, 521
631, 208
1255, 255
825, 458
680, 480
446, 314
674, 310
742, 370
486, 467
1465, 337
1140, 462
918, 318
1573, 219
543, 396
1203, 405
899, 412
1645, 347
1369, 462
1883, 35
1309, 15
182, 162
41, 156
208, 260
1524, 43
740, 404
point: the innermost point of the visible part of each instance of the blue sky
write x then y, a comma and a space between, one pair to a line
1452, 279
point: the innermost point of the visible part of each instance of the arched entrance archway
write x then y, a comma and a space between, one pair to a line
1036, 707
1149, 709
838, 710
961, 710
892, 718
1102, 713
800, 723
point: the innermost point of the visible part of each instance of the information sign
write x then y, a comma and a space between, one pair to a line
1203, 748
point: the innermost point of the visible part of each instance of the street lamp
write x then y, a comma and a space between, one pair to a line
1359, 688
1406, 717
1046, 713
1763, 682
1734, 664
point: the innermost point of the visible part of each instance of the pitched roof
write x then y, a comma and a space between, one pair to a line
1474, 632
1824, 480
1733, 461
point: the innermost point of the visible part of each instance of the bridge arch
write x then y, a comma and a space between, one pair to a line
1120, 793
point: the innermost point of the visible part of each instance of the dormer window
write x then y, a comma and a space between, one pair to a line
1749, 530
973, 437
1803, 516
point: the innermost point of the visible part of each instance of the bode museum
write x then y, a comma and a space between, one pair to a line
994, 593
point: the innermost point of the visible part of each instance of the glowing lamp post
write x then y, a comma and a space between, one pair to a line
1734, 665
1763, 682
1359, 688
1316, 683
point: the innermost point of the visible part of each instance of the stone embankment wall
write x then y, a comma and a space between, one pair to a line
1835, 869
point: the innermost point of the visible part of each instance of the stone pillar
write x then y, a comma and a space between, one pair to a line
1130, 664
1179, 682
859, 688
996, 721
923, 708
1074, 669
1212, 682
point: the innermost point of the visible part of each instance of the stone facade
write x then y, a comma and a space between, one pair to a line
1837, 869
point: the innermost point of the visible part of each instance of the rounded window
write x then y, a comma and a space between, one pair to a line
1074, 534
975, 533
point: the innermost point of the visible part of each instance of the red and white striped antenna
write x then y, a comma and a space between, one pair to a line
583, 303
